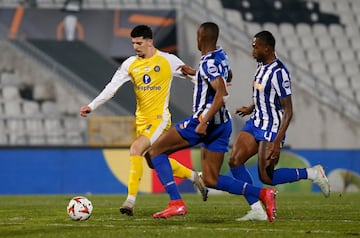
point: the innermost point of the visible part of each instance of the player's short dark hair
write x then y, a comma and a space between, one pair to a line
266, 37
142, 31
211, 29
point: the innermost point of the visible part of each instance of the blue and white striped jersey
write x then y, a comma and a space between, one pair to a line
271, 82
213, 65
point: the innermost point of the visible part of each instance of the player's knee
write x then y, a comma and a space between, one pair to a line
235, 160
266, 175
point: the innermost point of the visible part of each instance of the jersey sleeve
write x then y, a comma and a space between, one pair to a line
175, 62
212, 70
281, 82
119, 78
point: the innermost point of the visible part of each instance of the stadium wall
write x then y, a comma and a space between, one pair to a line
105, 171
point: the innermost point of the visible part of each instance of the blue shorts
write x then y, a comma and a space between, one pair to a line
217, 135
259, 134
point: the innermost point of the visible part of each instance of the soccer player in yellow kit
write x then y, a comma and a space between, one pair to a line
151, 72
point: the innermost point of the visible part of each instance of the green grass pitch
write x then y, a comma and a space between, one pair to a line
299, 215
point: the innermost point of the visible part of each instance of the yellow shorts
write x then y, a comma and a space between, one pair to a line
152, 128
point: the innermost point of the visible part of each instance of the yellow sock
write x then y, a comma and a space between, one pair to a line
136, 172
179, 170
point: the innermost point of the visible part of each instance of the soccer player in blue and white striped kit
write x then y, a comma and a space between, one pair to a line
264, 132
209, 125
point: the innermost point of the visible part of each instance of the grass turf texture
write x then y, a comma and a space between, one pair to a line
299, 215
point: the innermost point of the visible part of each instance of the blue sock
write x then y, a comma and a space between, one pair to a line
288, 175
163, 168
241, 173
234, 186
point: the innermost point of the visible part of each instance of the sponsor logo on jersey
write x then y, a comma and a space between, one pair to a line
286, 84
146, 79
213, 70
147, 130
148, 88
258, 86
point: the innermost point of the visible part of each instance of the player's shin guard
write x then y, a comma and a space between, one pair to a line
136, 172
234, 186
241, 173
179, 170
288, 175
165, 175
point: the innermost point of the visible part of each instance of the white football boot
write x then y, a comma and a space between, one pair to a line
254, 215
321, 180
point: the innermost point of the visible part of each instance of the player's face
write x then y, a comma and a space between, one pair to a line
141, 46
259, 50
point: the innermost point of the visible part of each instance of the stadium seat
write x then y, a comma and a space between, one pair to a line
308, 42
314, 55
318, 68
34, 130
297, 54
331, 54
3, 134
355, 83
12, 108
336, 30
352, 69
273, 28
341, 41
347, 55
54, 131
341, 81
319, 30
9, 78
10, 92
286, 29
291, 42
355, 43
326, 6
325, 42
253, 28
235, 18
49, 108
335, 68
16, 131
303, 29
31, 108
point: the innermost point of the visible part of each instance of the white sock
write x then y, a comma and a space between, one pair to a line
256, 206
192, 176
311, 173
131, 198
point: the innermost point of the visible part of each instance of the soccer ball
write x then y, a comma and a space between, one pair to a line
79, 208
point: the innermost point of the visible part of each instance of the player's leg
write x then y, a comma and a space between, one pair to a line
181, 171
157, 128
136, 171
244, 147
271, 176
166, 144
211, 164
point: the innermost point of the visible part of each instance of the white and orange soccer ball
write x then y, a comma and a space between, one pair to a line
79, 208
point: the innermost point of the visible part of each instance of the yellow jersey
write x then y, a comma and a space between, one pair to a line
151, 80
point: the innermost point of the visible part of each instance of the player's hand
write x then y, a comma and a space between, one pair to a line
243, 111
201, 128
84, 110
273, 151
186, 70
